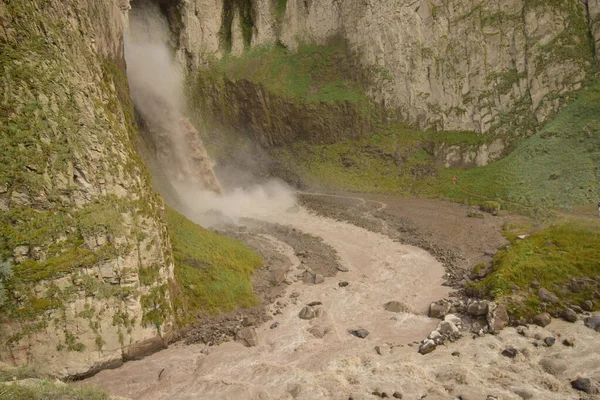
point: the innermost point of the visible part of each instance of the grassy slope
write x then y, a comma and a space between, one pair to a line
213, 271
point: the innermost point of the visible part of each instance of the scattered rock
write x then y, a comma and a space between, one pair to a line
277, 276
542, 319
275, 325
553, 366
576, 308
568, 342
427, 347
477, 308
547, 296
497, 317
341, 268
397, 395
384, 395
378, 350
396, 306
247, 336
307, 313
588, 305
447, 328
318, 278
343, 284
510, 352
456, 353
569, 315
439, 309
549, 341
535, 284
593, 322
314, 303
360, 333
582, 384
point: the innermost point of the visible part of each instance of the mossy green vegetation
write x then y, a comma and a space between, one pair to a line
551, 256
245, 10
46, 390
213, 272
313, 73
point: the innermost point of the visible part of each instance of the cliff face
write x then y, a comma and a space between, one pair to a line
84, 233
463, 65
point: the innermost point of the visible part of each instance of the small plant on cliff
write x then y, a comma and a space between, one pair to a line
5, 274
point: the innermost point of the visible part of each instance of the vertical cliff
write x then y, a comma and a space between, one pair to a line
80, 227
486, 66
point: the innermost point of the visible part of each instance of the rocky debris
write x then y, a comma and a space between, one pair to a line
569, 315
510, 352
576, 308
342, 268
397, 395
307, 313
549, 341
497, 317
542, 319
318, 278
314, 303
213, 330
477, 307
343, 284
588, 305
427, 347
247, 336
250, 320
456, 354
439, 309
582, 384
593, 322
547, 296
359, 333
553, 366
397, 307
378, 350
277, 276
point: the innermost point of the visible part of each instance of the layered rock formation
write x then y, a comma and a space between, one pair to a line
462, 65
80, 225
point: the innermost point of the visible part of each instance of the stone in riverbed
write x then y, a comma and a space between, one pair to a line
427, 347
477, 308
549, 341
510, 352
247, 336
360, 333
593, 322
542, 319
396, 306
569, 315
497, 317
548, 297
582, 384
343, 284
438, 309
318, 278
341, 268
307, 313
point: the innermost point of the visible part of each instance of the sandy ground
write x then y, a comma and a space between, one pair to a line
290, 362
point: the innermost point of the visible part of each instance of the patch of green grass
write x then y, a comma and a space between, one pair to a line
45, 390
550, 256
313, 73
214, 272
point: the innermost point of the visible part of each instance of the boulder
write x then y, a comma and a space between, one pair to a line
477, 308
247, 336
510, 352
318, 278
497, 317
343, 284
318, 331
438, 309
542, 319
427, 347
582, 384
547, 296
569, 315
277, 276
454, 319
360, 333
307, 313
549, 341
593, 322
588, 305
447, 328
249, 321
397, 307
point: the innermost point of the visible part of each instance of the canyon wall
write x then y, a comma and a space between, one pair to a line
496, 66
81, 229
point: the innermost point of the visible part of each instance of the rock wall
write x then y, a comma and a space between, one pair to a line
483, 65
79, 223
